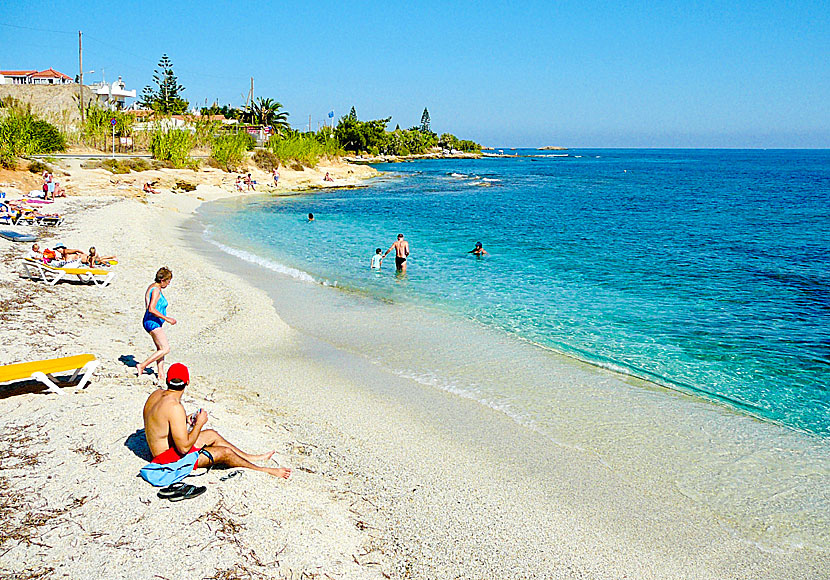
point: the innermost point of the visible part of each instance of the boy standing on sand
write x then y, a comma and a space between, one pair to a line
401, 247
165, 428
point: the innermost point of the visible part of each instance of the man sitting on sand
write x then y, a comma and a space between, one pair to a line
166, 430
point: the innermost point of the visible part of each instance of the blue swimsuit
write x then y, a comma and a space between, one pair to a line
151, 321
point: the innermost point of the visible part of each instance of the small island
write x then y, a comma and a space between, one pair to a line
552, 148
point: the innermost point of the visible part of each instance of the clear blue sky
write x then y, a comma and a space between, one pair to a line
572, 73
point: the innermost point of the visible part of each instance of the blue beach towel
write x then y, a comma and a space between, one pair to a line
164, 474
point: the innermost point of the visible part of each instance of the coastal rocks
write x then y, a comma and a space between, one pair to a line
184, 186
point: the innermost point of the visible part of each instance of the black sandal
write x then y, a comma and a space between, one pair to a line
171, 490
188, 492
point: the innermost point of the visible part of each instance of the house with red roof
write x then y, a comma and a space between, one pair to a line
32, 77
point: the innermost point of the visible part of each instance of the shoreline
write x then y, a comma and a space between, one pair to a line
412, 487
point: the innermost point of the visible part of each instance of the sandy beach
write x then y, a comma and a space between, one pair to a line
396, 482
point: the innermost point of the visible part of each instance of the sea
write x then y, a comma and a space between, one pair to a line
663, 314
704, 272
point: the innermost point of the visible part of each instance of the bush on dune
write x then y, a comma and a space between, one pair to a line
302, 149
21, 134
228, 151
173, 145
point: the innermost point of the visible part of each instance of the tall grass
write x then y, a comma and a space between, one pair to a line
205, 129
172, 145
97, 127
305, 149
229, 150
21, 133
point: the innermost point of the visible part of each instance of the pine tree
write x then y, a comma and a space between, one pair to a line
425, 122
353, 114
166, 98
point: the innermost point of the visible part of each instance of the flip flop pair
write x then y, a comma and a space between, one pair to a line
180, 491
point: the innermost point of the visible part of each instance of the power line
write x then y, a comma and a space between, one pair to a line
36, 29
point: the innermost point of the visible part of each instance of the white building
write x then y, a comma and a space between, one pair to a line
32, 77
113, 94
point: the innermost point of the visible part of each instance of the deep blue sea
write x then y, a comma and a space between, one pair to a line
705, 271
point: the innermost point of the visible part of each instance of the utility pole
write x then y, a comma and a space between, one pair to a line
309, 123
81, 74
251, 97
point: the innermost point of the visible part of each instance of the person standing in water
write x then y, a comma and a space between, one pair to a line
401, 247
377, 260
155, 315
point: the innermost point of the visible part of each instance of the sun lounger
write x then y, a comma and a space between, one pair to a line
36, 270
44, 371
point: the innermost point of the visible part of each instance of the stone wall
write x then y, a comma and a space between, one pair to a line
57, 104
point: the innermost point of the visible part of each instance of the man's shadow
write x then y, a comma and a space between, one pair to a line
137, 443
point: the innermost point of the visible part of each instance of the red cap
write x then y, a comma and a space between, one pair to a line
178, 375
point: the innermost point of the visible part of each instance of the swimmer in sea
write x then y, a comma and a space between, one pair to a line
478, 250
310, 217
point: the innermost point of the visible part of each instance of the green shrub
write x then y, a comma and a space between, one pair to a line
173, 145
266, 160
229, 150
38, 166
116, 165
303, 149
47, 137
138, 164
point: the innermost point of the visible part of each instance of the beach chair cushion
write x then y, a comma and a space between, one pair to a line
43, 370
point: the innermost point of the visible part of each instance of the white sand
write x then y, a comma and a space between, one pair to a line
441, 489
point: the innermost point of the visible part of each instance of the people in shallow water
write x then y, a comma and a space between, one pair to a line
401, 247
478, 250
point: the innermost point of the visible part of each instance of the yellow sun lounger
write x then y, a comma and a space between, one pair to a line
36, 270
43, 371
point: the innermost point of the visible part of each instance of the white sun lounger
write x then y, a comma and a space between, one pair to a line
44, 371
37, 270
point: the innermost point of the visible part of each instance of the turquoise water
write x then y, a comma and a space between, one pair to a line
704, 271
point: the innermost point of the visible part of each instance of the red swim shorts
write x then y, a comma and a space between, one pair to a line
171, 456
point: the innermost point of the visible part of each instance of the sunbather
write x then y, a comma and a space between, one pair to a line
70, 255
93, 259
170, 441
148, 188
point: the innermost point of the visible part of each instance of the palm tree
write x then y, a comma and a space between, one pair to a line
267, 112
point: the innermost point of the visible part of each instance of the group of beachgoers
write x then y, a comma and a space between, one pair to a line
179, 443
401, 247
245, 181
50, 188
59, 256
25, 211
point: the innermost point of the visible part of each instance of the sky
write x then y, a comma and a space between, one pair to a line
505, 74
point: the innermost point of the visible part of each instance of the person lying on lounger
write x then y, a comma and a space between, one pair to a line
69, 255
170, 441
93, 259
